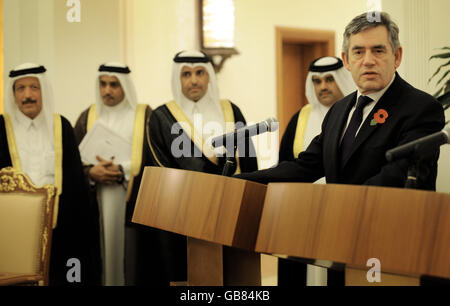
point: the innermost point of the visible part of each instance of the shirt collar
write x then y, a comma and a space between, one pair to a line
116, 108
26, 122
188, 106
375, 96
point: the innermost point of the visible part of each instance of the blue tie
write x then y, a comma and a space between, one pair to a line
353, 126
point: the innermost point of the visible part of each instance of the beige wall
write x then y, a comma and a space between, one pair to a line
38, 32
155, 31
147, 33
79, 49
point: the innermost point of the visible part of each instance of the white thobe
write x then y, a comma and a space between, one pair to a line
35, 147
120, 119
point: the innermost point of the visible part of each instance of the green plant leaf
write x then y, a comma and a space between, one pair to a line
438, 70
442, 55
445, 100
436, 95
443, 77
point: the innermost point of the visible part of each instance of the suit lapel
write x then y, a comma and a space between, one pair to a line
386, 102
332, 150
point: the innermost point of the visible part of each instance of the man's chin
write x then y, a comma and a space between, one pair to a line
194, 98
109, 102
326, 101
370, 87
31, 114
29, 108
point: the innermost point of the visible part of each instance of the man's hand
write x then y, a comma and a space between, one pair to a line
105, 172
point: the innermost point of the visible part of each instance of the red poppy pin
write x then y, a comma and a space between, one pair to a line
379, 117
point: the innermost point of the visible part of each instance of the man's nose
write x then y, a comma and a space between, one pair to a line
27, 92
194, 79
323, 86
369, 58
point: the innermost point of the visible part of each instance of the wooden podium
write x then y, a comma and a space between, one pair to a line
219, 215
408, 231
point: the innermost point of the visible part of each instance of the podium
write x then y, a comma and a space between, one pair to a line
407, 231
219, 216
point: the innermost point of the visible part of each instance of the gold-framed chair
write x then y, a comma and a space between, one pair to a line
26, 214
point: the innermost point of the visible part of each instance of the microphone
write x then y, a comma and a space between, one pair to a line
268, 125
421, 146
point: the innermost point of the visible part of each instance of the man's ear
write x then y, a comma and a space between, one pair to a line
345, 61
398, 56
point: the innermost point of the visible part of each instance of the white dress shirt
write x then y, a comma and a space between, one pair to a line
206, 117
35, 145
376, 96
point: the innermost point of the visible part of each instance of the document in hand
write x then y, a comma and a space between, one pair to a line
102, 141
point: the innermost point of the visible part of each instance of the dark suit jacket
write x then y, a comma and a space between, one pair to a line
412, 114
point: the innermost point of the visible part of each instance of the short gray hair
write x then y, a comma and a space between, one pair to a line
371, 20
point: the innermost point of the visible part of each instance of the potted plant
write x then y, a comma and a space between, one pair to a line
443, 94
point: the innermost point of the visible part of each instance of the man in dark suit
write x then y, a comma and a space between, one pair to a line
392, 113
383, 113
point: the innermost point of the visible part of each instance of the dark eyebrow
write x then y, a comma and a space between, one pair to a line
357, 48
379, 47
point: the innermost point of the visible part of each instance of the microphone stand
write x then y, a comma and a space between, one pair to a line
230, 164
411, 177
416, 168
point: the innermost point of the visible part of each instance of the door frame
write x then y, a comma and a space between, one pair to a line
324, 42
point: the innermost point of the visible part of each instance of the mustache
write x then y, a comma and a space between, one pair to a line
28, 101
324, 92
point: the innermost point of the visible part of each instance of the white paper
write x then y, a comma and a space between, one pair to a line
102, 141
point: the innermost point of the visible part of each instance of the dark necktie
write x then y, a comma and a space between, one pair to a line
353, 126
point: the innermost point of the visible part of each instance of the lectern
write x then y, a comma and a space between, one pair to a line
219, 215
407, 231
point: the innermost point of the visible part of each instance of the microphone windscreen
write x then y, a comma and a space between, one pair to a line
272, 124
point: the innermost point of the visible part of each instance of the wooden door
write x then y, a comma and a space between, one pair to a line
296, 49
